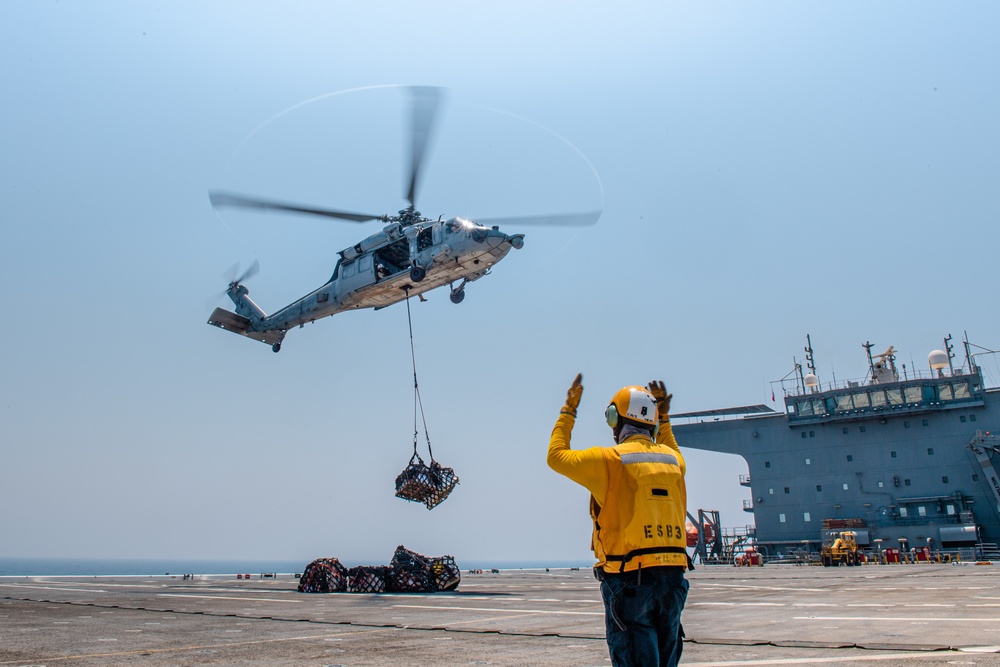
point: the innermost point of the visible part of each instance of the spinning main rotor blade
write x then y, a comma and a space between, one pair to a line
239, 201
426, 100
585, 219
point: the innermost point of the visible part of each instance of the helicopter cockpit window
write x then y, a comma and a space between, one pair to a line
348, 270
454, 227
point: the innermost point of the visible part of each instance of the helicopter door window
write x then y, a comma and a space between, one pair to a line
364, 263
424, 239
348, 270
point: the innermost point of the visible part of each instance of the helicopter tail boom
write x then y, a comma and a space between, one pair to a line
230, 321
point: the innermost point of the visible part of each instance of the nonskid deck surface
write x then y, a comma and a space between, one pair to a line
775, 615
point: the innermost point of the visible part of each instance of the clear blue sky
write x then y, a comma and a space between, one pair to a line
767, 170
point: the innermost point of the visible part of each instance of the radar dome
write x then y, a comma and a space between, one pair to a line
812, 380
938, 359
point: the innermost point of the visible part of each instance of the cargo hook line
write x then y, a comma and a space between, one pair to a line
417, 402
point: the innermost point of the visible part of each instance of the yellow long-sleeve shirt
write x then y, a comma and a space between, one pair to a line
588, 467
654, 528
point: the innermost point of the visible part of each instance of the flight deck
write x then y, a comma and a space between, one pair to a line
918, 614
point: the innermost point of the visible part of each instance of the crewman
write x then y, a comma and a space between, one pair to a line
638, 503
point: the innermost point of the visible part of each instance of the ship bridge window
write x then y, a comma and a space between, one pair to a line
844, 403
895, 396
878, 399
945, 393
862, 400
913, 394
805, 408
961, 390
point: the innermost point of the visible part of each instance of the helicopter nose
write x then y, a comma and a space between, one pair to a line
495, 238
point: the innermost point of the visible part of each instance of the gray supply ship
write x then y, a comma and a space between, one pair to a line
904, 460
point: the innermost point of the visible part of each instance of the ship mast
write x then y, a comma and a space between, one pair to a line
871, 364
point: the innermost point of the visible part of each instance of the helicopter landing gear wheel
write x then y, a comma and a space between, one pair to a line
418, 273
276, 347
457, 295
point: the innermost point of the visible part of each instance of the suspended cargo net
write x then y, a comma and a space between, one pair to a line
427, 484
419, 482
323, 575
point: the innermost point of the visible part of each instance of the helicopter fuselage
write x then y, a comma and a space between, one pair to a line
399, 261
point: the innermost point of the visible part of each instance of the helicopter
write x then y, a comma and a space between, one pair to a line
411, 255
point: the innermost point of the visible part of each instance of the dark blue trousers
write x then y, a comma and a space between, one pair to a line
642, 614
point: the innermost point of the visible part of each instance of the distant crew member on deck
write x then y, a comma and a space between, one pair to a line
638, 504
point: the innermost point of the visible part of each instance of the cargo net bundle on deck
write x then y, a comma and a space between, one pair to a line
407, 572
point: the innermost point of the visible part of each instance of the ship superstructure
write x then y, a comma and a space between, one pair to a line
905, 461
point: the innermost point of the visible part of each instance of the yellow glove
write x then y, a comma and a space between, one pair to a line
659, 392
573, 396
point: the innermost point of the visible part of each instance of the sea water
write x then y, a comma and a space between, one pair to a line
92, 567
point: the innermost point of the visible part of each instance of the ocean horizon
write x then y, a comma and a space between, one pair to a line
104, 567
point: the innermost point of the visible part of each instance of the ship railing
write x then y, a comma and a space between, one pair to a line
884, 522
793, 388
739, 531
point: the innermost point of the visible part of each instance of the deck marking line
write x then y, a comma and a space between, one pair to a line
54, 588
222, 597
182, 648
895, 618
502, 611
903, 658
